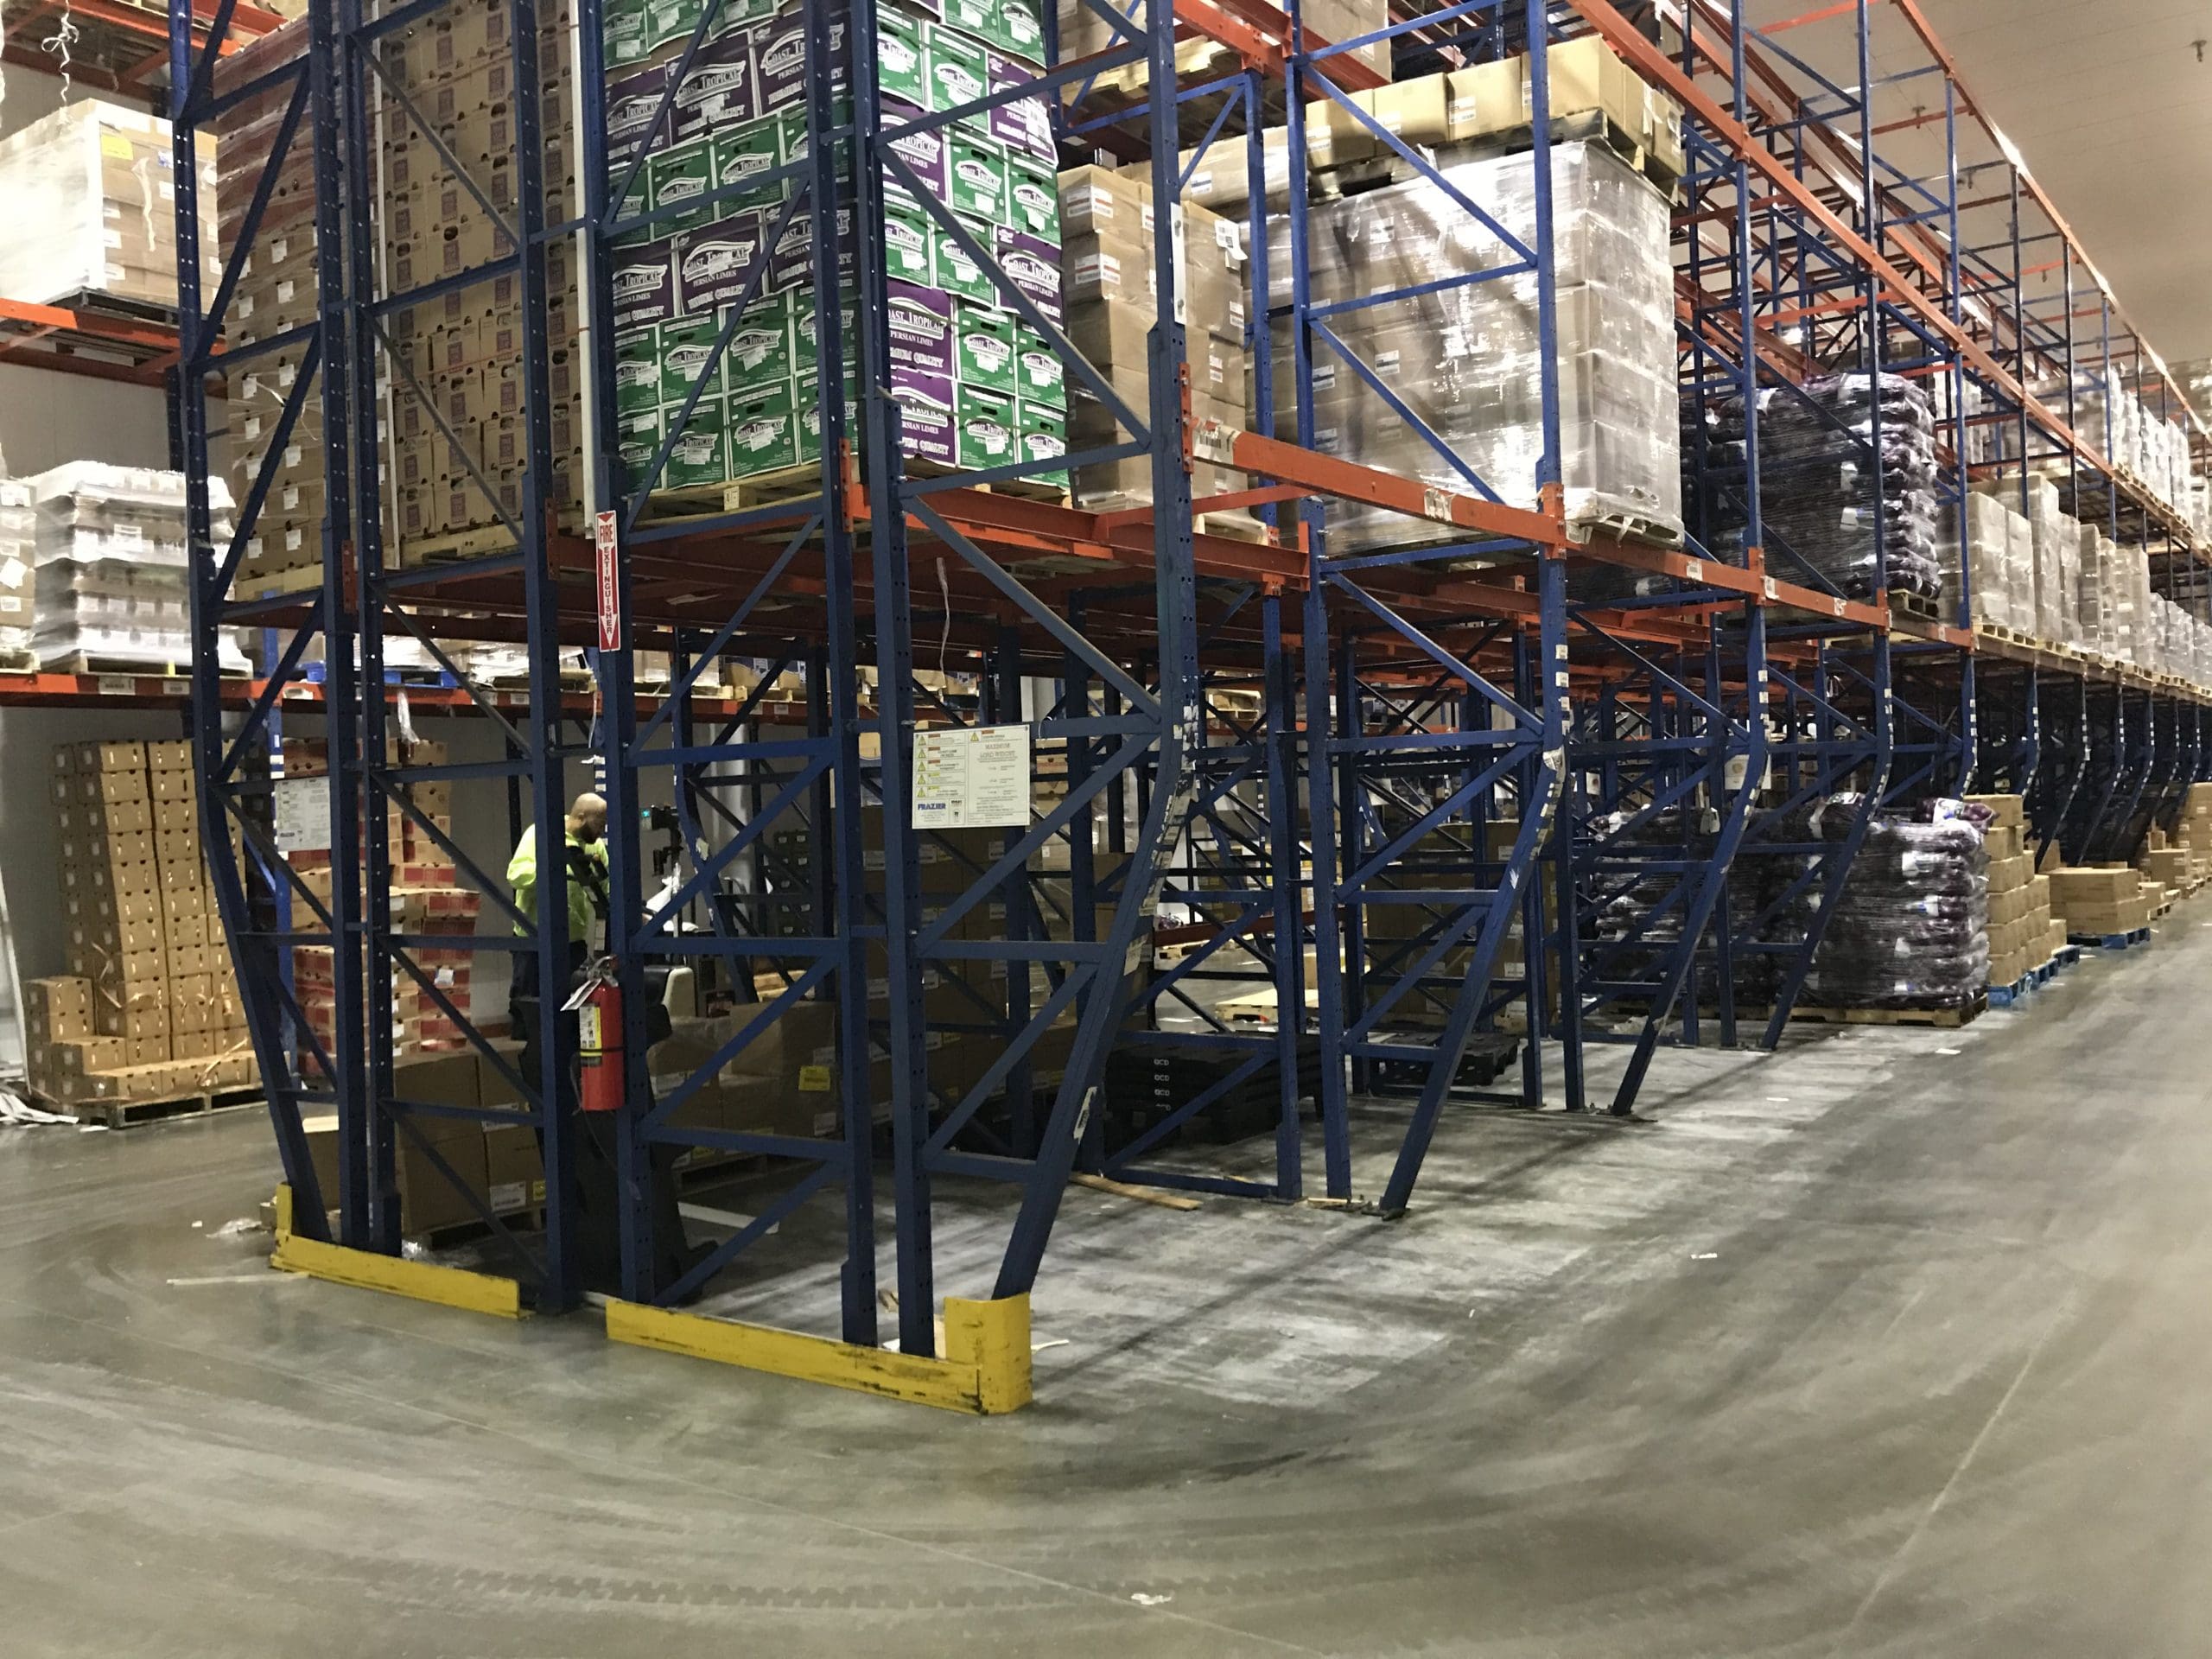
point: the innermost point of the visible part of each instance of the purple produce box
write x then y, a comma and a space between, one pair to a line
781, 60
1032, 265
719, 92
925, 415
1026, 123
645, 284
714, 262
631, 103
921, 330
927, 152
791, 265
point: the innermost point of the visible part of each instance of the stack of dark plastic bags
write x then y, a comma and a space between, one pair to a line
1911, 928
1838, 456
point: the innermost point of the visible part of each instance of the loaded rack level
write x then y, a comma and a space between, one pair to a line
1506, 770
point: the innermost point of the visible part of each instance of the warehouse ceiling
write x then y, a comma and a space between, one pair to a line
2113, 112
2106, 102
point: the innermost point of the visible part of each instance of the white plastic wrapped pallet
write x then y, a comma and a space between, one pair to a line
1463, 357
91, 200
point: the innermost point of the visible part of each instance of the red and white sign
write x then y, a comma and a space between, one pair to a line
610, 593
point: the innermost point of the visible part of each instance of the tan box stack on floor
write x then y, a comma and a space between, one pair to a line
497, 1164
2193, 832
1108, 239
2095, 902
2168, 870
2020, 937
149, 1009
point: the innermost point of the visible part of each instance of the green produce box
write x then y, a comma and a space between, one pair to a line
1041, 434
910, 238
806, 337
1040, 376
790, 127
670, 20
760, 352
978, 187
701, 455
678, 175
1020, 30
624, 23
956, 66
636, 372
745, 152
982, 347
763, 430
984, 433
637, 441
977, 19
901, 43
685, 345
1033, 196
951, 270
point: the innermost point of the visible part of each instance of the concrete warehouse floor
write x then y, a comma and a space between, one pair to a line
1897, 1342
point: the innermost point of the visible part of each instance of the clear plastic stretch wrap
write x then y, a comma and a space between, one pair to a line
1463, 357
1821, 496
110, 551
18, 563
1911, 926
1992, 564
2057, 548
90, 191
2093, 607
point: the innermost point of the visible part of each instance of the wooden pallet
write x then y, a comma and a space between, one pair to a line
476, 543
279, 582
1941, 1018
767, 489
1919, 606
1626, 527
78, 662
18, 661
132, 1114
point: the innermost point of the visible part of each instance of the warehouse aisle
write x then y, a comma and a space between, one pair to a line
1896, 1344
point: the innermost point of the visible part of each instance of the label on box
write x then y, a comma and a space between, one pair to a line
814, 1080
302, 814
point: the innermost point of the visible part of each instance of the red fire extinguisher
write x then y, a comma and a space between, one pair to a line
599, 1039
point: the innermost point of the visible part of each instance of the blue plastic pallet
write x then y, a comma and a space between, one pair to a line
427, 679
2112, 941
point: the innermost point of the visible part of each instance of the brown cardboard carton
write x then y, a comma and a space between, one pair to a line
59, 1009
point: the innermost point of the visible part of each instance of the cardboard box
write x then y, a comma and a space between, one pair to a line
2074, 889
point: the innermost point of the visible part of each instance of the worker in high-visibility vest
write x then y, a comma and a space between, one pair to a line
584, 859
584, 855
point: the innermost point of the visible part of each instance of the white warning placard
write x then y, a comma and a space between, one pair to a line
303, 814
972, 778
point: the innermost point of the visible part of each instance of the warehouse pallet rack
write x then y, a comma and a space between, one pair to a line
1275, 743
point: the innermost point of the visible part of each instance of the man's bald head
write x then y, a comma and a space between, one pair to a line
587, 817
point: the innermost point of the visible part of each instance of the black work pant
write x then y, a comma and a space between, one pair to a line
594, 1192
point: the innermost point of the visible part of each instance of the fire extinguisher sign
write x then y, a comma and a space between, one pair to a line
610, 595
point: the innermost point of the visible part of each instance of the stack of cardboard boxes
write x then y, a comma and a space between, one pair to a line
2183, 855
426, 897
276, 293
1111, 231
463, 350
2098, 903
977, 385
150, 1009
92, 192
1483, 106
497, 1164
2022, 935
